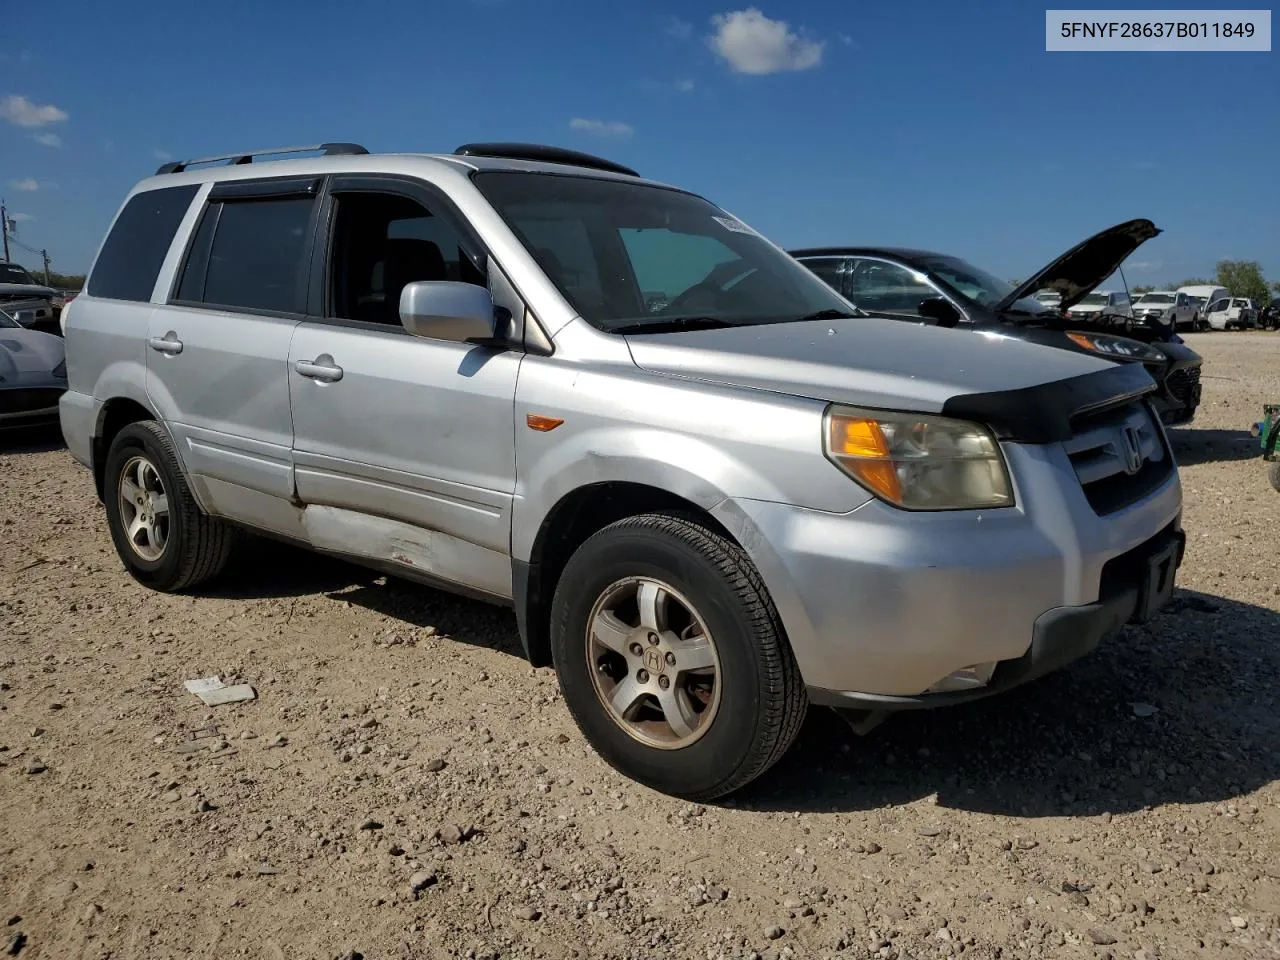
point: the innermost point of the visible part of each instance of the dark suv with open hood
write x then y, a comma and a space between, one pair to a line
936, 288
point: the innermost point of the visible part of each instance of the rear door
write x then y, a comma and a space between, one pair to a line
404, 446
218, 349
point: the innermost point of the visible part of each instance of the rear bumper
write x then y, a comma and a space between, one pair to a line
78, 415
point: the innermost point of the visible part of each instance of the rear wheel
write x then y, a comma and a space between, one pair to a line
672, 659
163, 537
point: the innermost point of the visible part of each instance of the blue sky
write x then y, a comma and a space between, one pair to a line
933, 124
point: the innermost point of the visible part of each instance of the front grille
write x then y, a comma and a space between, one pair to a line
27, 399
1119, 456
1182, 384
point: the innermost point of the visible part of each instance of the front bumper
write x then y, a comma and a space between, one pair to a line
1058, 637
882, 606
30, 405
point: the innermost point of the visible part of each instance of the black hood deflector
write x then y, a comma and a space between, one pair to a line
1043, 413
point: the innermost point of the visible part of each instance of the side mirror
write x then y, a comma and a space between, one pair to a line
939, 310
447, 310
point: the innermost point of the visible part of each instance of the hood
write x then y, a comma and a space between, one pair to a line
27, 355
866, 361
1087, 264
11, 290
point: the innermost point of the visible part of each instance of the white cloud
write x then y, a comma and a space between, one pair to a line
602, 128
163, 156
752, 43
1146, 266
680, 29
684, 86
21, 217
47, 139
845, 39
28, 185
21, 111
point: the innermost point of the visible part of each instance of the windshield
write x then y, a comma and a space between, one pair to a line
1094, 300
12, 273
629, 255
975, 284
1156, 298
8, 321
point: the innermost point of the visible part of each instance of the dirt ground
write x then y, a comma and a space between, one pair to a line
406, 786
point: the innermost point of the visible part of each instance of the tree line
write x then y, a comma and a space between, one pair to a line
1242, 278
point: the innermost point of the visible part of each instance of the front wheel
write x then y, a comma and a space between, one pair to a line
163, 537
672, 659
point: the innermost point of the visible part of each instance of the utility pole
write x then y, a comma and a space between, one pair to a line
45, 254
4, 228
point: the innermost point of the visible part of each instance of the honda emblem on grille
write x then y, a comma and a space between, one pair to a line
1132, 453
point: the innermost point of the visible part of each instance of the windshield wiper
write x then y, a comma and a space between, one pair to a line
828, 314
671, 324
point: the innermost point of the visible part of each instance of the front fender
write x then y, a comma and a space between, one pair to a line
697, 469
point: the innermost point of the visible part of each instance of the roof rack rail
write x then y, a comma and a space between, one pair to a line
543, 154
246, 156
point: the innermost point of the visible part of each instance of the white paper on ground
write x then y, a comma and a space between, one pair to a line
212, 691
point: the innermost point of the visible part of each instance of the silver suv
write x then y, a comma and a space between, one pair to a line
528, 374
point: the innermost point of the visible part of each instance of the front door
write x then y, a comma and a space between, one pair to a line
404, 447
217, 349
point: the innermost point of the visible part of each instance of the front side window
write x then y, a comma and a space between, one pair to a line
629, 255
1217, 306
381, 242
877, 286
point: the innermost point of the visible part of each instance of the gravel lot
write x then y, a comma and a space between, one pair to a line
406, 786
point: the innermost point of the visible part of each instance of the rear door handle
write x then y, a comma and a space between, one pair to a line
322, 368
168, 344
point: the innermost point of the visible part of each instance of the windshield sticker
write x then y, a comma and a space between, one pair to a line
731, 223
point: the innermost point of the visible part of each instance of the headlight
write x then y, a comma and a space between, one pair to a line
917, 461
60, 371
1121, 348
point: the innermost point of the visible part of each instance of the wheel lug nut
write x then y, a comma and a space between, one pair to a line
637, 649
653, 638
643, 676
671, 659
663, 682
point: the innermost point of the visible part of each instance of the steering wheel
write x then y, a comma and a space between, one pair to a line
699, 288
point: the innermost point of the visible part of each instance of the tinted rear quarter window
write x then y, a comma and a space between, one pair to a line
134, 251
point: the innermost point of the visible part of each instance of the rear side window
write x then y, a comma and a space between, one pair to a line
250, 254
134, 251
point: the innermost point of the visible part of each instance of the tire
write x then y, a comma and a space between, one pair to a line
1273, 474
756, 702
180, 546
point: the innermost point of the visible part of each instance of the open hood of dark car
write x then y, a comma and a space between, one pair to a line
1087, 264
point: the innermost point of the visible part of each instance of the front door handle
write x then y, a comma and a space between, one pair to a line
322, 368
169, 344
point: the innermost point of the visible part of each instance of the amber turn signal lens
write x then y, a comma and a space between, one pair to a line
540, 423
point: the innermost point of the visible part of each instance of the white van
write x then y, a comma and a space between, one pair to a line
1209, 293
